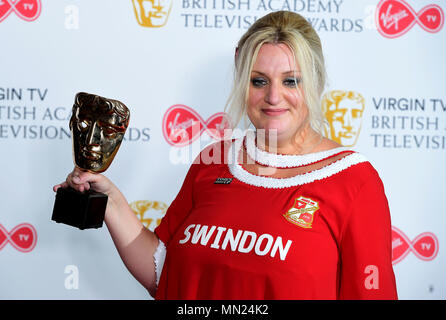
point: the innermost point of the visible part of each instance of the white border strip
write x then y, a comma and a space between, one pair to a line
286, 161
277, 183
158, 258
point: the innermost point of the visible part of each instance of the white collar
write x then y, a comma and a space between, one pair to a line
278, 183
284, 160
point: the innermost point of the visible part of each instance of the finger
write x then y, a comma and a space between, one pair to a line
69, 178
85, 186
75, 175
76, 179
61, 185
77, 171
82, 177
81, 180
73, 181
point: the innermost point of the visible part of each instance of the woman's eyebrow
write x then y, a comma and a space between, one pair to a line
284, 73
292, 72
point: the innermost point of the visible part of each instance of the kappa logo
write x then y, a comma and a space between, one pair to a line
150, 213
396, 17
182, 125
302, 212
28, 10
343, 111
223, 181
152, 13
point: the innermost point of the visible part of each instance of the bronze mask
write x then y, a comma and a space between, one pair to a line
97, 127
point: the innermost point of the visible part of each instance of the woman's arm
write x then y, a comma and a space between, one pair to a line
366, 247
135, 244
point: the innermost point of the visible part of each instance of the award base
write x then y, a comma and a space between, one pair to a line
81, 210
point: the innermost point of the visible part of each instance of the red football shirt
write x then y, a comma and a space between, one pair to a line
230, 234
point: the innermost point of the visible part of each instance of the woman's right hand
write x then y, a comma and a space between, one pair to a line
83, 181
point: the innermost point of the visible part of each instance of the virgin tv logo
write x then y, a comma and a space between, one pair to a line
23, 237
182, 125
396, 17
28, 10
424, 246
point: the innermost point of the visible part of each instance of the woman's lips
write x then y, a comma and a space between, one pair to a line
274, 112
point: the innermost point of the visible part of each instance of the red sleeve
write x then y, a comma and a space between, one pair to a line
179, 208
183, 203
366, 247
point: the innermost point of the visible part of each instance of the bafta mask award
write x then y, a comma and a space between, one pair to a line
97, 127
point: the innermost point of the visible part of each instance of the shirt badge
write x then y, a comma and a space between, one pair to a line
223, 181
302, 212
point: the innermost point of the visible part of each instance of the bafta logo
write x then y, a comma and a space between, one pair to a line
152, 13
149, 213
343, 111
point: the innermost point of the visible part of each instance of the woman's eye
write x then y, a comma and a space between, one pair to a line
259, 82
291, 82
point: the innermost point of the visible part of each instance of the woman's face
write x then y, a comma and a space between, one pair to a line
275, 99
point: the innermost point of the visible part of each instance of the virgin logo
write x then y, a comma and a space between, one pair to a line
424, 246
396, 17
23, 237
28, 10
182, 125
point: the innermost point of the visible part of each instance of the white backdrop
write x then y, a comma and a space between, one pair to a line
50, 50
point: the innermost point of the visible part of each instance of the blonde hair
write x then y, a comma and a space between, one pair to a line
296, 32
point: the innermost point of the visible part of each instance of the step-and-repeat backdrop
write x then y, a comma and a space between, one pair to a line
171, 63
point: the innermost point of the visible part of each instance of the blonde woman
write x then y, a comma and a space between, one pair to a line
282, 213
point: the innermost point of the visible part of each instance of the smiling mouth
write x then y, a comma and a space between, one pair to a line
274, 112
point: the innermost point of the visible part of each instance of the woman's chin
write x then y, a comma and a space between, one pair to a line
275, 128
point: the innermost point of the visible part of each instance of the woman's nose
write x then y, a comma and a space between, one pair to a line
273, 94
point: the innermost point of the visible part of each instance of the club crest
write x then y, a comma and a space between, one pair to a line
302, 212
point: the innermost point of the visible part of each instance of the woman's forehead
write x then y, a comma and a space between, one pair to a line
277, 57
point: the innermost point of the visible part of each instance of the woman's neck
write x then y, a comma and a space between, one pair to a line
304, 141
